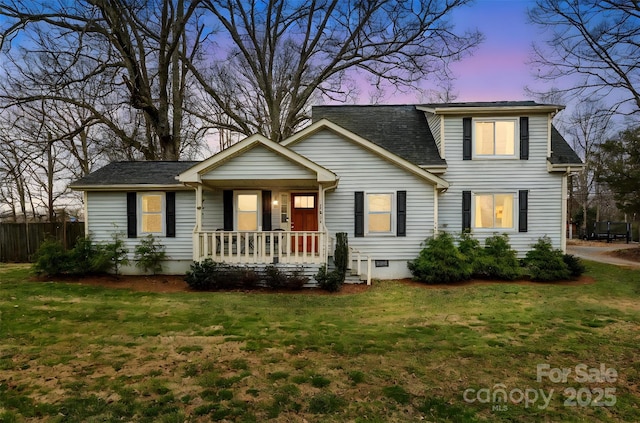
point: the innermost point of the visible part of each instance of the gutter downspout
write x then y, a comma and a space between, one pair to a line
563, 233
323, 190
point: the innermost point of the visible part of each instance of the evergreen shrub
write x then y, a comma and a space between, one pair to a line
440, 261
545, 263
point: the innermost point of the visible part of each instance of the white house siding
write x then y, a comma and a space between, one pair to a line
434, 124
261, 163
504, 175
212, 210
107, 214
362, 170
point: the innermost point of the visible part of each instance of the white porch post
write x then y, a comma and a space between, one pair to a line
324, 253
563, 231
199, 207
436, 193
196, 243
320, 206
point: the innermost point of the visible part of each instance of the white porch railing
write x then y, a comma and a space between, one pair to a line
261, 247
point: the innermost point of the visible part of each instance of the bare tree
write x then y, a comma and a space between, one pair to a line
619, 167
595, 41
133, 47
281, 54
588, 127
14, 159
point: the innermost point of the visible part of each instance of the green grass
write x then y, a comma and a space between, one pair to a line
394, 353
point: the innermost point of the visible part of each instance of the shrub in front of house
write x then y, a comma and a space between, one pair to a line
87, 257
51, 259
276, 278
440, 261
471, 250
575, 265
117, 252
332, 280
329, 280
84, 258
209, 275
149, 255
497, 260
341, 253
545, 263
202, 275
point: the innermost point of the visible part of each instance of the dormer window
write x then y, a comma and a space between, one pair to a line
494, 138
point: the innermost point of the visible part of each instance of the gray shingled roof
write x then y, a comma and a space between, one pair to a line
561, 151
401, 129
136, 173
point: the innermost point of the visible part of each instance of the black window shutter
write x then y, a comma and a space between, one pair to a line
227, 207
401, 200
266, 210
359, 214
466, 210
466, 138
132, 215
523, 210
170, 198
524, 138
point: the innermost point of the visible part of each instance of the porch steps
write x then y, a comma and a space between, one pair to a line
350, 277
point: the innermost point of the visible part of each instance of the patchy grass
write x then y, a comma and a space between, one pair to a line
397, 352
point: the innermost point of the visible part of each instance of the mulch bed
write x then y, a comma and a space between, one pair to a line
176, 283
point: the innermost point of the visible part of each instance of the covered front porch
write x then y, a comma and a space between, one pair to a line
260, 203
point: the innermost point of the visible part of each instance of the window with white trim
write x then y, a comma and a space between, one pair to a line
495, 137
247, 210
494, 211
379, 213
152, 213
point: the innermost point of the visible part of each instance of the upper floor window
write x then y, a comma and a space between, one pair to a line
495, 137
151, 213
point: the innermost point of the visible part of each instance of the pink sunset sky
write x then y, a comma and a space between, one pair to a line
498, 69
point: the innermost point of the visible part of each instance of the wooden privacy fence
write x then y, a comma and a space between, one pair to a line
19, 241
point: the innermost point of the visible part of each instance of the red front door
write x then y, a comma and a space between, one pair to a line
304, 218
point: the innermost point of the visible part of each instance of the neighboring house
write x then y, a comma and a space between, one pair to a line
388, 176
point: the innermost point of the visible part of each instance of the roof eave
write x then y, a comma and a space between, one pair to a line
564, 167
130, 187
544, 108
438, 169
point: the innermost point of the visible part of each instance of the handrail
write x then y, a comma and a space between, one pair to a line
358, 260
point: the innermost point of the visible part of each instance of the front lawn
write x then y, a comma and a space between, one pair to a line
397, 352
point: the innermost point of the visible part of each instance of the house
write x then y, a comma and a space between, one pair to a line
388, 176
